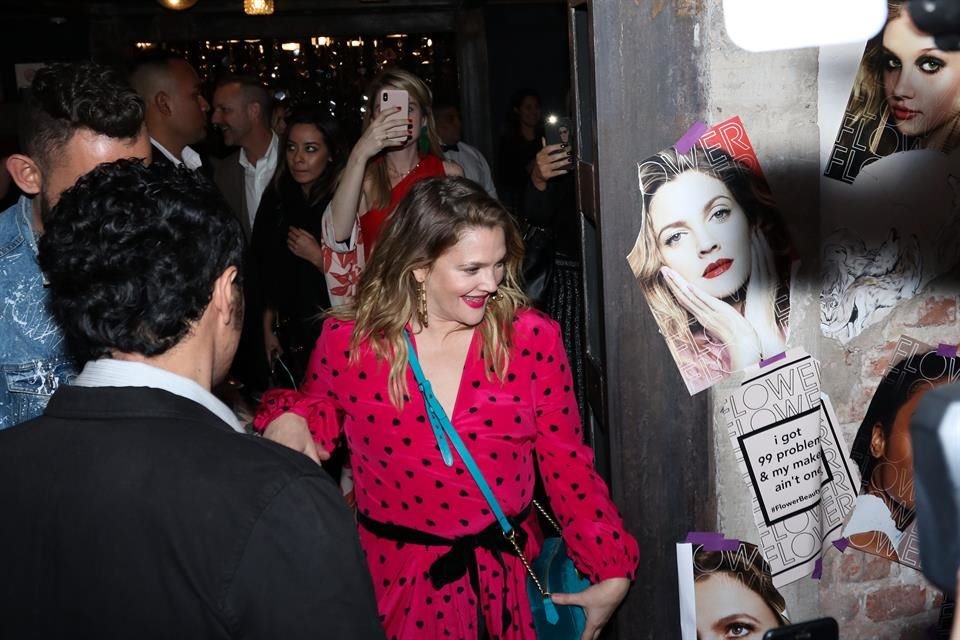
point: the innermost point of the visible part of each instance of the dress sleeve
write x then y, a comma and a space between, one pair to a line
342, 261
314, 402
592, 526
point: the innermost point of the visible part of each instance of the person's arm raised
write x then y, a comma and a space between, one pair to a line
385, 130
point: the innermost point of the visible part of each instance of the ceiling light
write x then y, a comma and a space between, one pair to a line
258, 7
177, 5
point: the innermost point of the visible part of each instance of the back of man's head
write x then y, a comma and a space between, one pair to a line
150, 71
132, 254
67, 97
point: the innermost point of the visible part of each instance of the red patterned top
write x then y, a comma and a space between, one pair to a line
343, 262
400, 477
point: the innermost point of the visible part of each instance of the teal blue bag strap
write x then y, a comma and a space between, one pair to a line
443, 431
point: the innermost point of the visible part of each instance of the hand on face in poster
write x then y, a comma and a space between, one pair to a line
291, 431
303, 245
387, 129
719, 319
551, 161
760, 306
599, 601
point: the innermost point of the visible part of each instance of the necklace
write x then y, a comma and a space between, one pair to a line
401, 176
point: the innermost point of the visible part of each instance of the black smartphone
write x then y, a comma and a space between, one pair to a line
819, 629
559, 130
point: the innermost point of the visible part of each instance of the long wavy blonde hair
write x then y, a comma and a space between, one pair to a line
376, 172
429, 221
868, 101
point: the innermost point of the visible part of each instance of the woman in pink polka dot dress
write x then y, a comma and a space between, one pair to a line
446, 271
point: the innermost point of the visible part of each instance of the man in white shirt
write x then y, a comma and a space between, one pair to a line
175, 109
450, 128
241, 110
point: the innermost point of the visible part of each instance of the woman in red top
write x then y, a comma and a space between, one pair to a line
382, 167
446, 270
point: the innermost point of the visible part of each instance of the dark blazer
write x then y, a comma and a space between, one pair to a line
228, 175
135, 513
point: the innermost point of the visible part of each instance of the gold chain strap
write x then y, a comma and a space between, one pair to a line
512, 539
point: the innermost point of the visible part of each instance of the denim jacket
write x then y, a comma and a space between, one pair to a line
33, 353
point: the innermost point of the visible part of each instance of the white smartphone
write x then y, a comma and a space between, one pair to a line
390, 99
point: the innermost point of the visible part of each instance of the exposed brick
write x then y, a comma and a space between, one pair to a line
862, 567
874, 568
934, 311
900, 601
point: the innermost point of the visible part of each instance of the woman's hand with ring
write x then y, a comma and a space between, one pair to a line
599, 601
386, 129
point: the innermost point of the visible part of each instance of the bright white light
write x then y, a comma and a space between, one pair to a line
767, 25
551, 119
290, 46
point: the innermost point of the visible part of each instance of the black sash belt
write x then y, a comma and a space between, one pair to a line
461, 559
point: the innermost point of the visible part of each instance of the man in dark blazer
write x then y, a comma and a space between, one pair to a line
133, 508
175, 110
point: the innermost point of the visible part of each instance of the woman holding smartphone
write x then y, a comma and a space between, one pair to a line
385, 162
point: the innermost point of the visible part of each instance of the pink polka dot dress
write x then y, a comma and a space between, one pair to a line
423, 588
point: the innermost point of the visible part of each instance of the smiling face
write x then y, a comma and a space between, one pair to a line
461, 281
921, 82
727, 609
232, 113
307, 154
702, 233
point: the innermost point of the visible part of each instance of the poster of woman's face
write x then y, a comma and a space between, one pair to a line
906, 96
883, 521
731, 594
713, 256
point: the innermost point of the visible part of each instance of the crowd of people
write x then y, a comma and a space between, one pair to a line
138, 275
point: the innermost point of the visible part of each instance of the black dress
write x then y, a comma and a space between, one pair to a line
290, 285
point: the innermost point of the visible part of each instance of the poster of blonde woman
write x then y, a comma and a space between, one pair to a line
713, 256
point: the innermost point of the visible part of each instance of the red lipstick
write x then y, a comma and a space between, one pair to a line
474, 302
717, 268
902, 113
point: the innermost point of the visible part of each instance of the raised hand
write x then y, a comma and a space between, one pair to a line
718, 318
760, 307
551, 161
387, 129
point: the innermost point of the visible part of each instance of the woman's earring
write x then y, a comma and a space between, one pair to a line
497, 297
422, 304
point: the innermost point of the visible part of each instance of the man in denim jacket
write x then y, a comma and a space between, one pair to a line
75, 117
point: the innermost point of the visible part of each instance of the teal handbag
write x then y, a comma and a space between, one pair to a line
557, 573
553, 566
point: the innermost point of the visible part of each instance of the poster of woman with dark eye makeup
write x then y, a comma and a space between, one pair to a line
713, 256
890, 185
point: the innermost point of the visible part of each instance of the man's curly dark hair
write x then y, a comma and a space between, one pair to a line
65, 97
132, 252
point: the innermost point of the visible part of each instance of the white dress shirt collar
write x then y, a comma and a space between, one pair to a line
191, 159
123, 373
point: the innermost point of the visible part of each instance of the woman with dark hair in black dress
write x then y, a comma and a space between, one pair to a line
286, 251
